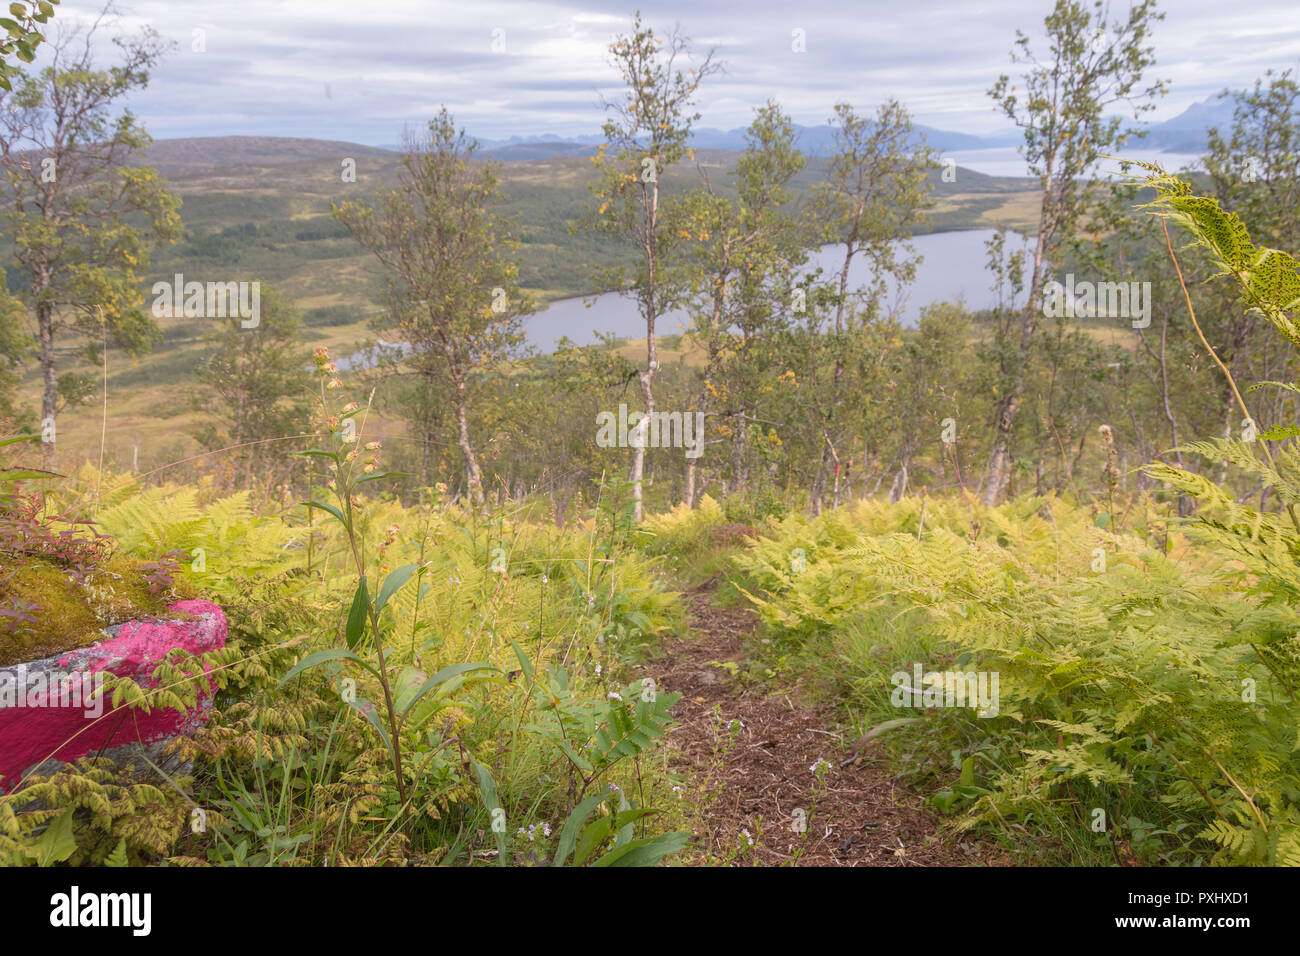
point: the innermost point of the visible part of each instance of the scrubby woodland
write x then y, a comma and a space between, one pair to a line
454, 612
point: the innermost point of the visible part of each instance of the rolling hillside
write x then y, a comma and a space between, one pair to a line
258, 208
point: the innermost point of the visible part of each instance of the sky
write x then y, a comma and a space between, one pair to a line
360, 72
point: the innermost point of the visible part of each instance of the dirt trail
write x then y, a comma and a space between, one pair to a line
862, 816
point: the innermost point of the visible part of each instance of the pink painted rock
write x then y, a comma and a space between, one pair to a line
48, 709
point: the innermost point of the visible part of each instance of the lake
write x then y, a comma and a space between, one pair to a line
952, 268
1007, 161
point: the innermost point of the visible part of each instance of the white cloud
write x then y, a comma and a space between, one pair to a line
267, 66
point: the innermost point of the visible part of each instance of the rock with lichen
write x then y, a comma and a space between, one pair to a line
47, 608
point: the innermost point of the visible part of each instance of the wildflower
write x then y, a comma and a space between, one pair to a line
614, 695
748, 839
373, 445
369, 468
334, 383
545, 580
350, 407
819, 763
546, 830
599, 669
614, 787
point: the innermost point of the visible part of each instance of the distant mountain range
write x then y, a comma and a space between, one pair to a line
1184, 133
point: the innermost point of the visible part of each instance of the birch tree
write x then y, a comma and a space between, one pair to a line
82, 220
452, 289
1090, 67
648, 130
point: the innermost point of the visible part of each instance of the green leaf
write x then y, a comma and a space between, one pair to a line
327, 507
967, 772
57, 842
626, 817
356, 627
371, 713
943, 801
1280, 432
573, 825
118, 857
408, 679
582, 763
593, 834
381, 474
648, 851
26, 474
488, 788
394, 580
1289, 386
318, 453
444, 675
524, 663
321, 657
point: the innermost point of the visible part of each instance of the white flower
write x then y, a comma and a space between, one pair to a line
599, 669
613, 695
748, 839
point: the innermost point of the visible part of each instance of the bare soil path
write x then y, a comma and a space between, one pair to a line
752, 779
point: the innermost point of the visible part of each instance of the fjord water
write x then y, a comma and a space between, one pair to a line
953, 268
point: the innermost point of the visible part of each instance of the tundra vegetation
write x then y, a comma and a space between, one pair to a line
448, 565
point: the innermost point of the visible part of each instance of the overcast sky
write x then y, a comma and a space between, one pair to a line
345, 70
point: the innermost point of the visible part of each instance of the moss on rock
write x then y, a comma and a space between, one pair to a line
69, 614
